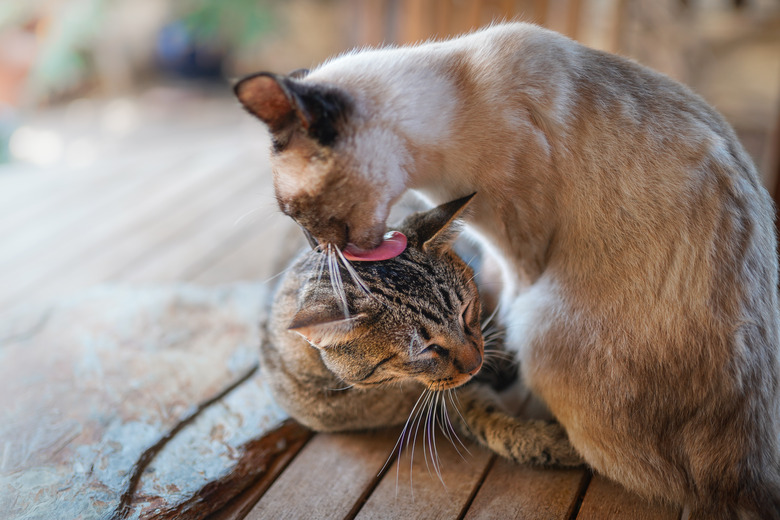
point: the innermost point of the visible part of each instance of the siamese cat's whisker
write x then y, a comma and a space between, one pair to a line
351, 270
245, 215
321, 266
336, 282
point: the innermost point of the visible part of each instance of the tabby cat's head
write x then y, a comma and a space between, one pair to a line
419, 321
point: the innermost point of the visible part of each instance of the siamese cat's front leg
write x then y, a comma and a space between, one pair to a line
482, 417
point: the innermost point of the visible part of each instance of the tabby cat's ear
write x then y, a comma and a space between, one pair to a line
281, 101
325, 325
436, 228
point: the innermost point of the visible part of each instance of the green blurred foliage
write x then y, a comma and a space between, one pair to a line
235, 23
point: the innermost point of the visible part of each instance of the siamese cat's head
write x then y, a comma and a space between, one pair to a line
337, 167
415, 318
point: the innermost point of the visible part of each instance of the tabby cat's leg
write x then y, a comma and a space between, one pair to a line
532, 442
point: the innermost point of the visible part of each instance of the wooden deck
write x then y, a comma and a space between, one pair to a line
190, 202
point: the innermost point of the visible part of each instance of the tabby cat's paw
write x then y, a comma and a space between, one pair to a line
533, 442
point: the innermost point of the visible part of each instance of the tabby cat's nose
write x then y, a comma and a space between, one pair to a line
472, 362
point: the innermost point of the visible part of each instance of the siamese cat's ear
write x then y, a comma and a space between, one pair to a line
325, 325
282, 101
435, 229
268, 97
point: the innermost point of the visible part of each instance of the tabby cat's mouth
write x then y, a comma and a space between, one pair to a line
449, 383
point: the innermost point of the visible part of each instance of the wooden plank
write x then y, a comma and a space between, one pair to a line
513, 491
58, 220
96, 213
143, 224
181, 255
46, 192
328, 477
413, 490
256, 254
606, 500
241, 504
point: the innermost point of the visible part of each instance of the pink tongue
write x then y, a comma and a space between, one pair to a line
393, 245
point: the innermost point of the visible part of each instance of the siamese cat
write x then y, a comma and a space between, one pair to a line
635, 240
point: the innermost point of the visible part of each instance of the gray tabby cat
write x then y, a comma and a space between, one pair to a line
375, 344
636, 242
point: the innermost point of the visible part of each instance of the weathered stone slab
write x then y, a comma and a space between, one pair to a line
91, 384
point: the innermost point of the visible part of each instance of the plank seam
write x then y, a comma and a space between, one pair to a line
587, 476
242, 504
360, 502
477, 487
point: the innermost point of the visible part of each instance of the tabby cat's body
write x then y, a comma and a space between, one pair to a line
636, 241
366, 351
355, 349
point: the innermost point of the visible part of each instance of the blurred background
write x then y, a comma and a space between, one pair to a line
124, 158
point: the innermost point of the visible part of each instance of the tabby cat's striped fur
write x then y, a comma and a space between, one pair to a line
372, 344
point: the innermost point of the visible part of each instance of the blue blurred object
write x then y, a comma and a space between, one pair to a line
181, 54
8, 123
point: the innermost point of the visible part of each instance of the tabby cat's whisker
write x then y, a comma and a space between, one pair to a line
455, 433
434, 419
418, 421
448, 422
496, 353
399, 444
429, 436
489, 319
340, 389
492, 339
453, 398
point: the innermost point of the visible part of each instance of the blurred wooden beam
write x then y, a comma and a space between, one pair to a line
573, 14
371, 22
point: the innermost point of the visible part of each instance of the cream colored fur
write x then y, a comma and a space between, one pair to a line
637, 243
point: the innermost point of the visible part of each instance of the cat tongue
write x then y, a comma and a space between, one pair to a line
393, 245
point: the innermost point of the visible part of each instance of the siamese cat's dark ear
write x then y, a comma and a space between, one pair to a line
268, 97
325, 325
281, 101
298, 73
436, 228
